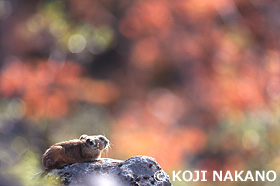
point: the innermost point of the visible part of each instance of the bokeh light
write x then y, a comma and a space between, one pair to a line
77, 43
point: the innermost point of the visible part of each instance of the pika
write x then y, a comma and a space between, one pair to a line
85, 149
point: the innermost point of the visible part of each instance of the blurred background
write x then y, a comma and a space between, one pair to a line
193, 83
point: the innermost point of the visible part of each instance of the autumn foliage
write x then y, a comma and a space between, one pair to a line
48, 89
192, 83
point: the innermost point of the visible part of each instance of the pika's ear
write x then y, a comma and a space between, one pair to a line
83, 137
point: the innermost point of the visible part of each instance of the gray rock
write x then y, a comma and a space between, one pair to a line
138, 170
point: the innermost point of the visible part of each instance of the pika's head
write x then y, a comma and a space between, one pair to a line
97, 142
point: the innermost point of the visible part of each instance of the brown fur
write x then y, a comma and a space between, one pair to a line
87, 148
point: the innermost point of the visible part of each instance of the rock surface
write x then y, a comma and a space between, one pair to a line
138, 170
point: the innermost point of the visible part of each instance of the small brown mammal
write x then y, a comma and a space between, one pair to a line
87, 148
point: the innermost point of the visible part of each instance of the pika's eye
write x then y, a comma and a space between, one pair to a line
102, 139
90, 142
